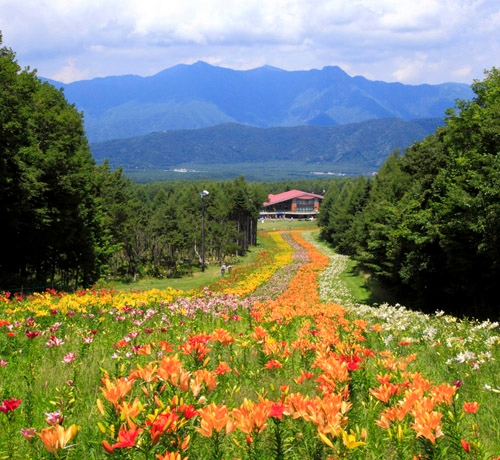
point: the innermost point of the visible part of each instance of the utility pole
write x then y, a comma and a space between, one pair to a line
203, 195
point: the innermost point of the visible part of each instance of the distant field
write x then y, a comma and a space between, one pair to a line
253, 172
270, 225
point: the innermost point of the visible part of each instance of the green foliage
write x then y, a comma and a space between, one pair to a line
155, 229
339, 211
431, 224
50, 223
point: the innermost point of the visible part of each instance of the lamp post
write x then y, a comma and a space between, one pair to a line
203, 195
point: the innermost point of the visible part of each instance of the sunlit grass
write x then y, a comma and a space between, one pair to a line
356, 282
198, 279
286, 224
194, 281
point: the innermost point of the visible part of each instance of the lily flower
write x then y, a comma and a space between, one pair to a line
126, 438
57, 437
214, 417
54, 418
9, 405
28, 433
470, 407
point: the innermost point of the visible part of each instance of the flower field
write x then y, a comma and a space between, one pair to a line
274, 361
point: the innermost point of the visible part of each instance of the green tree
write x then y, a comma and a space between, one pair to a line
378, 245
137, 233
431, 225
469, 205
341, 209
51, 227
113, 192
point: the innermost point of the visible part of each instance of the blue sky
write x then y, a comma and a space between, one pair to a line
410, 41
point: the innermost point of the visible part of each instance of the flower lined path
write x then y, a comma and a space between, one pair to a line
264, 364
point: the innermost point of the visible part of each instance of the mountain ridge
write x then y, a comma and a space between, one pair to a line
201, 95
358, 148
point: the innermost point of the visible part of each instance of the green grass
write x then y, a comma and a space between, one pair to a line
212, 271
254, 172
271, 225
363, 287
186, 283
357, 283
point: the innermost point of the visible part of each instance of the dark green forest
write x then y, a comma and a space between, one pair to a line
68, 222
428, 225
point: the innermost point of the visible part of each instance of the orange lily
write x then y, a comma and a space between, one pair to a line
222, 368
203, 376
214, 417
115, 391
385, 391
56, 437
148, 373
171, 456
470, 407
251, 417
428, 425
162, 423
222, 336
130, 411
443, 393
171, 371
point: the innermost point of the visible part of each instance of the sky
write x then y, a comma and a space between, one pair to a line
407, 41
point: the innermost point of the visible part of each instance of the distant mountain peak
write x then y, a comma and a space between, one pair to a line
189, 96
202, 64
271, 68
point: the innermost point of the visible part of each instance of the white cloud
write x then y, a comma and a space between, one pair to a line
70, 72
426, 41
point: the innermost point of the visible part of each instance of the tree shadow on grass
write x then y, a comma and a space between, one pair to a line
367, 289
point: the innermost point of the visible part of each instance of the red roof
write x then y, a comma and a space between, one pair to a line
290, 195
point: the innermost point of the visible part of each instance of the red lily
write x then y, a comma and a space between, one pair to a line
9, 405
126, 438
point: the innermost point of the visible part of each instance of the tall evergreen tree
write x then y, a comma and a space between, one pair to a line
50, 225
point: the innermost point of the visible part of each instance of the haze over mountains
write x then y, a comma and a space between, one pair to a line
190, 97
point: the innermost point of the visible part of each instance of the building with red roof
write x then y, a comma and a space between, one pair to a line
293, 203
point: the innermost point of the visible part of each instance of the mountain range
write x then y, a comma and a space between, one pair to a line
202, 95
191, 116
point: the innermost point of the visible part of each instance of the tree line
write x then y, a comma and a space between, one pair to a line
158, 229
69, 222
428, 225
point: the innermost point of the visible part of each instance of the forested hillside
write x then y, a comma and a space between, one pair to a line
354, 149
428, 225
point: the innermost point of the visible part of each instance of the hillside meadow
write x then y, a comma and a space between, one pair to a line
275, 360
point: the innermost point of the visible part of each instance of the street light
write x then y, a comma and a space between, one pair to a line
203, 195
